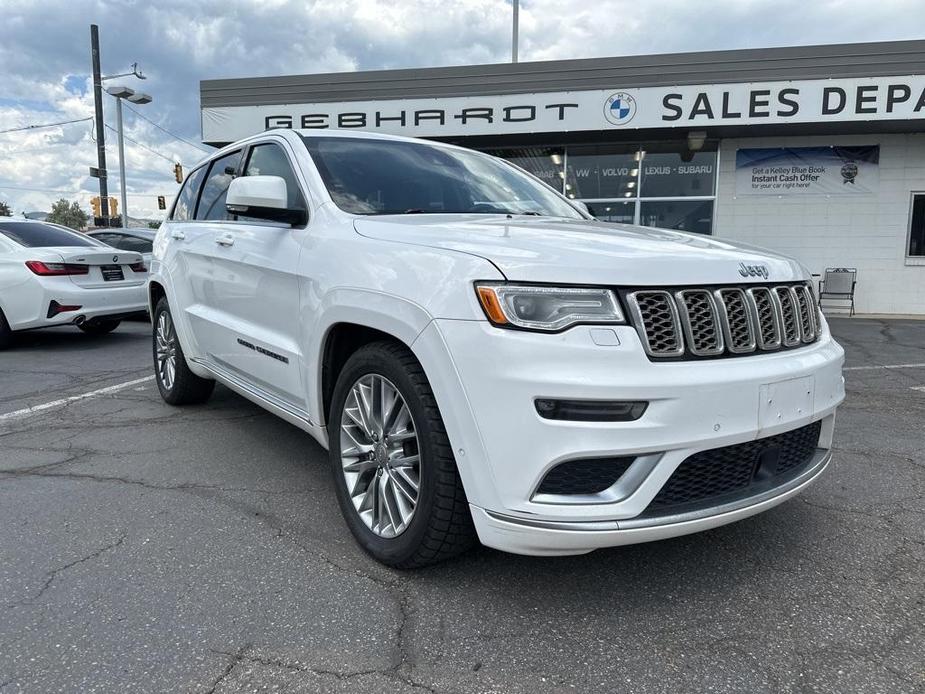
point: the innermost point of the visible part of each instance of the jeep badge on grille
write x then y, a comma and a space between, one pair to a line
754, 270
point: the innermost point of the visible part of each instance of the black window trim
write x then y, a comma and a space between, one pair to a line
176, 198
913, 194
245, 150
208, 166
296, 172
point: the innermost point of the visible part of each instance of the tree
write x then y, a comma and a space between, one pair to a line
5, 210
68, 214
154, 225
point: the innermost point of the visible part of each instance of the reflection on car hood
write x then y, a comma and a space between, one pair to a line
546, 249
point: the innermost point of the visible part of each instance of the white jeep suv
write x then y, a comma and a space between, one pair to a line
481, 358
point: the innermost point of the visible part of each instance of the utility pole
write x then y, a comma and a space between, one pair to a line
100, 127
516, 26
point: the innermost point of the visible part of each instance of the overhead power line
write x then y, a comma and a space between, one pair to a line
173, 135
136, 142
45, 125
74, 192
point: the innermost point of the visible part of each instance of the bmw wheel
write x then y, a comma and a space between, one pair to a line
394, 470
176, 383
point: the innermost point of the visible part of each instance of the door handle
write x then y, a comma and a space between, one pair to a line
225, 240
177, 234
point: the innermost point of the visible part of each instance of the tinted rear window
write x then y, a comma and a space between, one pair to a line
40, 235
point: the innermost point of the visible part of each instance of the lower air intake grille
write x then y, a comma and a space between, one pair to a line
733, 472
588, 476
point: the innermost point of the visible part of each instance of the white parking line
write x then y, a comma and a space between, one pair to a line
884, 366
28, 411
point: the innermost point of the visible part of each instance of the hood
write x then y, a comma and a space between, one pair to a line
545, 249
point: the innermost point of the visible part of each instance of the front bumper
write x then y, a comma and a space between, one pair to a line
504, 448
545, 538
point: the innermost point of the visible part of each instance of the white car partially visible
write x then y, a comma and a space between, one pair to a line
51, 275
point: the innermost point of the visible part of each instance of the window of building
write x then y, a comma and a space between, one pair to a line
546, 163
212, 201
917, 226
661, 184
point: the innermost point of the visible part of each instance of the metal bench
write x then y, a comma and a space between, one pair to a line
839, 283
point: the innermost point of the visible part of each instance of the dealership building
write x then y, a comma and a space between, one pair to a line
817, 152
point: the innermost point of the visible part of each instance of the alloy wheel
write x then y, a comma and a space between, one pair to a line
380, 456
165, 338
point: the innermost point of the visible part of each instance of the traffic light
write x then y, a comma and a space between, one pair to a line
178, 172
95, 205
161, 202
113, 207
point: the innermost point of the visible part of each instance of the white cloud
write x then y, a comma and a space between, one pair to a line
178, 42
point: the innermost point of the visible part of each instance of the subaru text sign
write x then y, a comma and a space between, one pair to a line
689, 106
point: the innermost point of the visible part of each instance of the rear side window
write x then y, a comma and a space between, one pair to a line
186, 201
270, 160
126, 242
41, 235
215, 190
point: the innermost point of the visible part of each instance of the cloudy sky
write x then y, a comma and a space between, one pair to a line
45, 61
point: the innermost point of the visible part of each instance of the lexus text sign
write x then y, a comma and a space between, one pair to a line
691, 106
808, 171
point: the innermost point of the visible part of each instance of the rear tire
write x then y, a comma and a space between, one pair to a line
404, 446
176, 383
6, 333
99, 327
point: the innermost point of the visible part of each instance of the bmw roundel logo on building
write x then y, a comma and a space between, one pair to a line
620, 108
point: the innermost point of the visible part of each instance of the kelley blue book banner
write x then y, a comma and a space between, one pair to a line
808, 171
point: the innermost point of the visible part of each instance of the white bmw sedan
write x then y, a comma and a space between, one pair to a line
51, 275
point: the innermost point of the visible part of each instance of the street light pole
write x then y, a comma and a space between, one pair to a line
121, 92
514, 38
121, 163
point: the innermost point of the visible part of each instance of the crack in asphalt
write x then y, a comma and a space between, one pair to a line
52, 575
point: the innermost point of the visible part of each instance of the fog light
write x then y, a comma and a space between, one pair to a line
591, 410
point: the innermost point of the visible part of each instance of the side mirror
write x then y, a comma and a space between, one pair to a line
263, 197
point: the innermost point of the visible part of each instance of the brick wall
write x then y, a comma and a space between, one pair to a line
867, 231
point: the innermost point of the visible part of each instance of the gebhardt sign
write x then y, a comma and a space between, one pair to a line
690, 106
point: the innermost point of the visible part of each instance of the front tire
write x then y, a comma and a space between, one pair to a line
394, 471
99, 327
176, 383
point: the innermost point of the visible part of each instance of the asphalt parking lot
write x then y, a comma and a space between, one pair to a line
150, 549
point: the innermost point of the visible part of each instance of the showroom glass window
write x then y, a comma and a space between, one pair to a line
665, 185
917, 226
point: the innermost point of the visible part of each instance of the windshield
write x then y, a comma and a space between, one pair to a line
42, 235
370, 177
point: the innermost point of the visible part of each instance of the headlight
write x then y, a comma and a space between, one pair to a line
547, 308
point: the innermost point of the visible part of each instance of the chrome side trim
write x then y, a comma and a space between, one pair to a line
263, 398
819, 462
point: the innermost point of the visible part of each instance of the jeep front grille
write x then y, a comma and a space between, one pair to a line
720, 321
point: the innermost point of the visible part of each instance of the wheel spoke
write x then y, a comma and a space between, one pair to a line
379, 455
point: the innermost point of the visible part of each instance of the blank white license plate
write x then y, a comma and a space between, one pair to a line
785, 401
